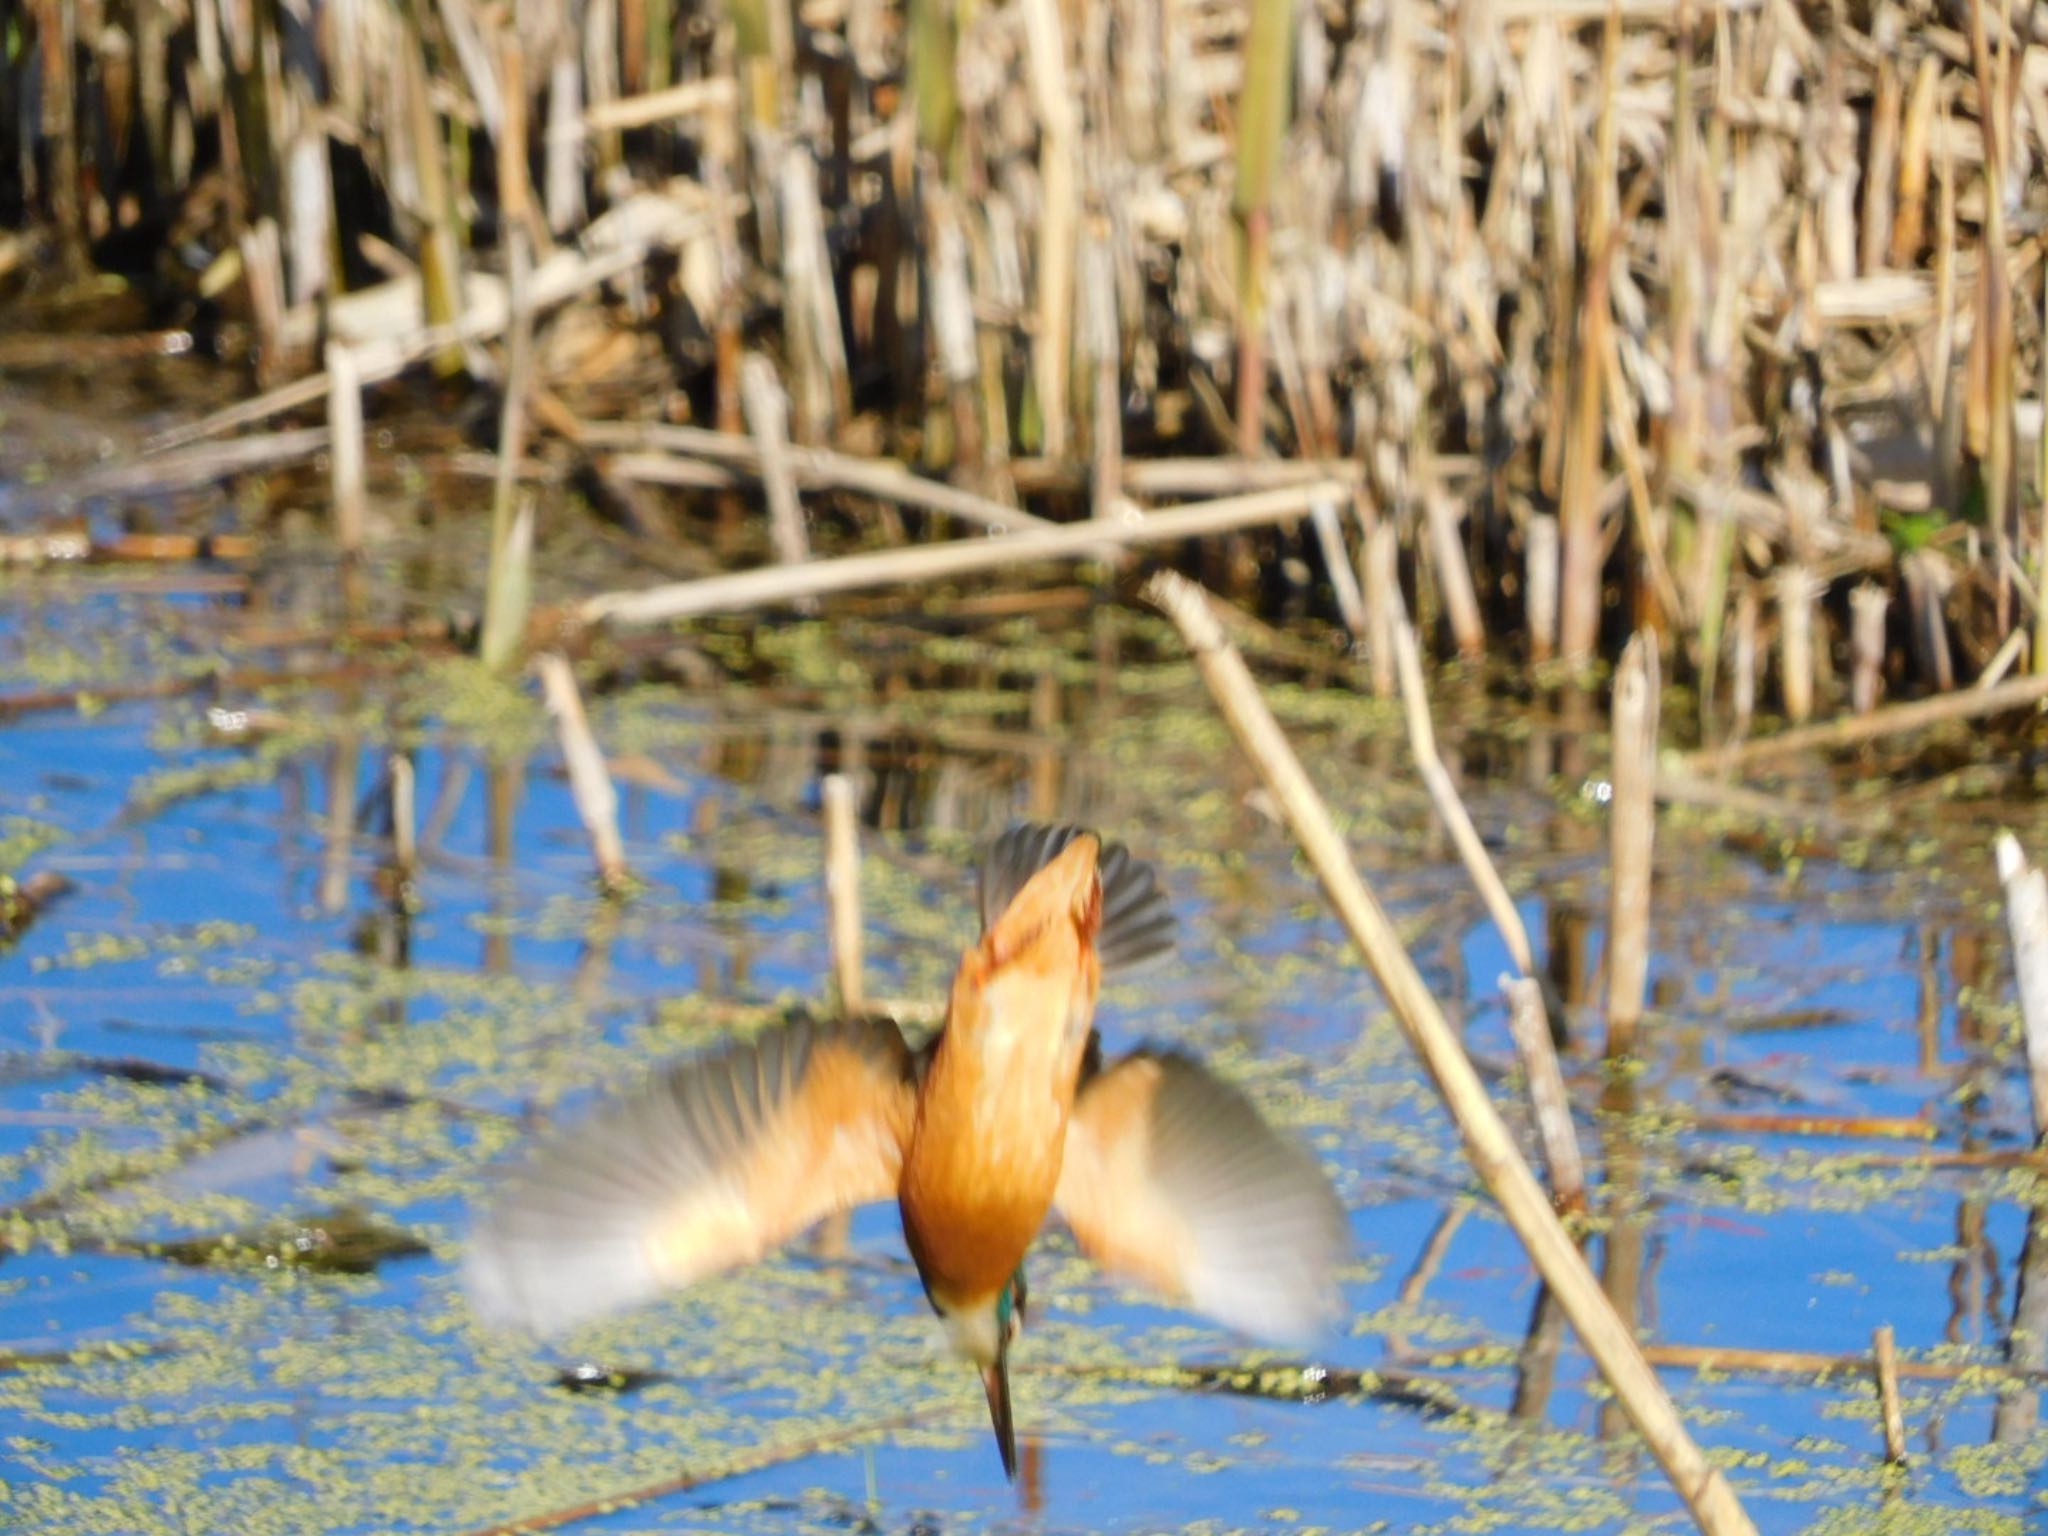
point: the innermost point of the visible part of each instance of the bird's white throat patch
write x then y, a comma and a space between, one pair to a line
972, 1333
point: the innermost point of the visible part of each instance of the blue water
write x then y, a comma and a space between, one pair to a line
226, 932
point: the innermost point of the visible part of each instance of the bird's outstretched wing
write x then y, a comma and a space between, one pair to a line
1172, 1178
706, 1165
1137, 921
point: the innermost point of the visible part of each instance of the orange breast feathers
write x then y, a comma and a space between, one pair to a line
985, 1149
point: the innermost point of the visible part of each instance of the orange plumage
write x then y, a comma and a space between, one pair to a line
1165, 1174
984, 1154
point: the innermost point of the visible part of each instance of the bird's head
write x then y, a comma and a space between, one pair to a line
980, 1331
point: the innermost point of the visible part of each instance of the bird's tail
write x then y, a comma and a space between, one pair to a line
1137, 921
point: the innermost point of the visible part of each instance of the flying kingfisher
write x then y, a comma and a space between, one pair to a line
1165, 1174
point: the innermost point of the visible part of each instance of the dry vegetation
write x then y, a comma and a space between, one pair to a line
1718, 319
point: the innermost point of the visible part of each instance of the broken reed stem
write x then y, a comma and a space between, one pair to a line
2026, 916
1887, 1356
1795, 642
590, 781
1491, 1149
1867, 606
2002, 660
1893, 720
404, 816
1343, 575
1540, 558
1633, 830
508, 587
1382, 605
345, 445
842, 891
1549, 1103
1090, 540
1450, 809
767, 413
1454, 576
814, 468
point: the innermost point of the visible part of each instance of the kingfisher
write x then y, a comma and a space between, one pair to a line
1165, 1174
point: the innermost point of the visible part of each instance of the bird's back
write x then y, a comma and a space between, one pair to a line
984, 1154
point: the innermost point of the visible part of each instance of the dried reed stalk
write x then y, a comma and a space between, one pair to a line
1263, 108
1491, 1149
345, 446
404, 816
1337, 562
1795, 591
2041, 491
1867, 606
781, 584
842, 891
590, 781
1383, 606
1633, 830
1454, 576
813, 468
1886, 1357
1540, 568
2026, 915
1550, 1104
767, 413
508, 587
1450, 809
1059, 218
1893, 720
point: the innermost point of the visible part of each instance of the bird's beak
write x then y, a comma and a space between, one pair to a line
995, 1379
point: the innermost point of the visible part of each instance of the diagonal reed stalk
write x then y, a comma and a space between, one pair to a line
1488, 1145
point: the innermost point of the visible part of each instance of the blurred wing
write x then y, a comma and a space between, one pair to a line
1137, 921
709, 1164
1171, 1178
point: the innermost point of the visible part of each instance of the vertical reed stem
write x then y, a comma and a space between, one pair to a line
1867, 606
1383, 608
1454, 575
1540, 585
1795, 641
345, 445
1633, 831
2026, 916
842, 891
1052, 94
1887, 1359
1263, 107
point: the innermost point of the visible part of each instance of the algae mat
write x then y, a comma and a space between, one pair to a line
254, 1073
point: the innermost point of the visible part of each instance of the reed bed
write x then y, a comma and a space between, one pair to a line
1717, 320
